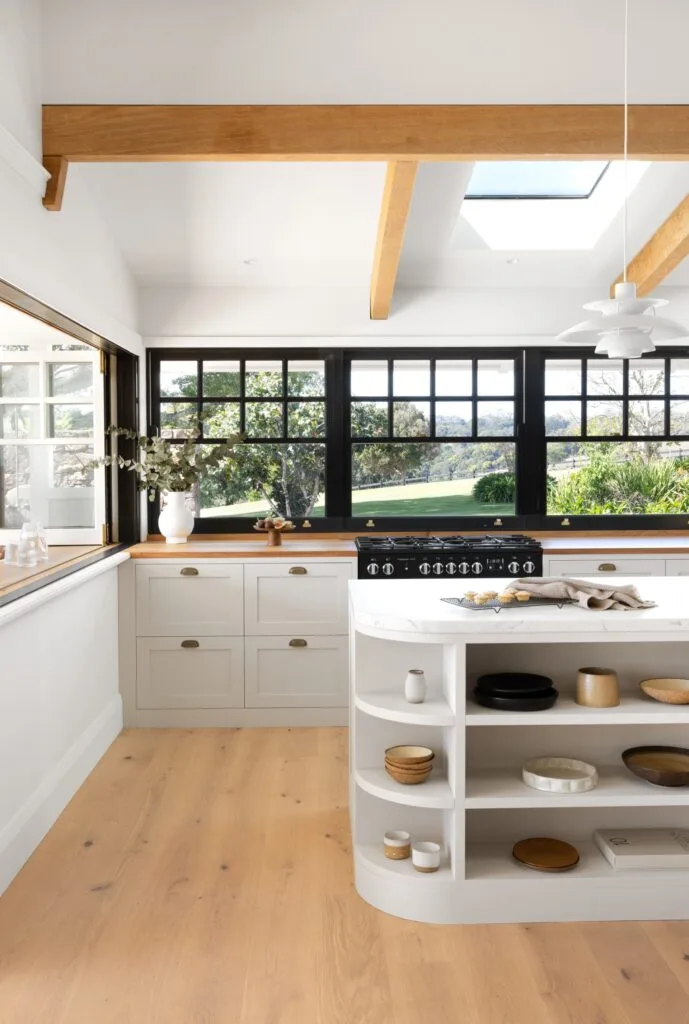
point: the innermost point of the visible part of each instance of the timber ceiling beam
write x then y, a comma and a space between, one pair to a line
397, 193
664, 251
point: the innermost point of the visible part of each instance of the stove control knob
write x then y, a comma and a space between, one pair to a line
476, 568
464, 568
373, 568
451, 568
529, 568
425, 569
388, 569
513, 568
438, 568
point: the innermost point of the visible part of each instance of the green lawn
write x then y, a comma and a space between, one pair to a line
439, 498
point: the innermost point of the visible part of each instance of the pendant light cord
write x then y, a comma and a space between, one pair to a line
626, 136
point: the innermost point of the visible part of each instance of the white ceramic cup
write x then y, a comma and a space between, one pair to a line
396, 844
425, 856
415, 686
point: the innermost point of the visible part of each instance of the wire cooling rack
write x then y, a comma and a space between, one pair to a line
494, 605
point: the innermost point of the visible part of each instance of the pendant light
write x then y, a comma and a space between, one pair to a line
627, 326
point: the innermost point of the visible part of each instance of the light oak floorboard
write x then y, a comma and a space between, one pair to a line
204, 877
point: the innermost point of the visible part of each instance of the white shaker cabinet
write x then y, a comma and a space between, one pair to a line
283, 598
603, 565
190, 673
296, 671
194, 599
677, 567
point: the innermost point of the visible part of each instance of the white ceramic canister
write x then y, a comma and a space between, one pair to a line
415, 686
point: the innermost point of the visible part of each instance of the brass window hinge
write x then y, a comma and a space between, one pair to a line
103, 361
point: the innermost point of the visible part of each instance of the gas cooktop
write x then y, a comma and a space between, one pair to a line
492, 555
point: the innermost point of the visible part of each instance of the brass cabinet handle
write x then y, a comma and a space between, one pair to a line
370, 523
189, 643
298, 643
188, 571
607, 567
298, 570
497, 522
565, 522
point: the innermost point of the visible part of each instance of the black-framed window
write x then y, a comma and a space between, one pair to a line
441, 439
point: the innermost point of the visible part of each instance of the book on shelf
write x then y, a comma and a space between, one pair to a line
637, 849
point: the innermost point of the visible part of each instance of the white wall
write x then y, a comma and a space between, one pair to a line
60, 706
69, 259
362, 51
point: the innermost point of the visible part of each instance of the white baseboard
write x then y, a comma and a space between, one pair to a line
238, 718
27, 828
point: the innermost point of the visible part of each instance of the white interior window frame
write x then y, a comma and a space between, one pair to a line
44, 358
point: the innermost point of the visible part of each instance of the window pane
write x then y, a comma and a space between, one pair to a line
70, 380
220, 419
528, 179
19, 380
646, 417
411, 419
70, 420
604, 418
49, 484
679, 377
220, 378
495, 419
263, 419
453, 419
178, 419
453, 378
604, 377
369, 378
263, 379
646, 377
495, 377
306, 419
422, 479
562, 418
287, 479
178, 378
20, 421
616, 478
679, 417
306, 378
411, 378
563, 376
369, 419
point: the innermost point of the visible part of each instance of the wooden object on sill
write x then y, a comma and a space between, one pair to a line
273, 528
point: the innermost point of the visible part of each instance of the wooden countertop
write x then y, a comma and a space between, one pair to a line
13, 577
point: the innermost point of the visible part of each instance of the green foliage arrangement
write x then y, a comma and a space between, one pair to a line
495, 489
163, 466
622, 488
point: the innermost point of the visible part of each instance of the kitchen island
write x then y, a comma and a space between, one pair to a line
475, 803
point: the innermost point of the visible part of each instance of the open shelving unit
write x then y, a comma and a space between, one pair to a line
476, 804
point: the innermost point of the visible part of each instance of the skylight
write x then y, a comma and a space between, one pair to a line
540, 179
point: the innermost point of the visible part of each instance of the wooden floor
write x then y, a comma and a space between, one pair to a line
204, 877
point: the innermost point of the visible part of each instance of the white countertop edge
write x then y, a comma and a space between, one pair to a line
24, 605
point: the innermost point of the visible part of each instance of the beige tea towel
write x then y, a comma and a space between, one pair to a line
598, 596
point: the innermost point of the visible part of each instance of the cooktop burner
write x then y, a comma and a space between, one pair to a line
394, 544
420, 557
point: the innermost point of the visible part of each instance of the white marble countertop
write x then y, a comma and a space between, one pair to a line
415, 606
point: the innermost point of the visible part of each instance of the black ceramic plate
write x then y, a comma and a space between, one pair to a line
495, 691
513, 682
517, 703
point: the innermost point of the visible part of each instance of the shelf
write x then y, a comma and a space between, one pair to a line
377, 862
631, 711
394, 708
502, 788
435, 792
492, 862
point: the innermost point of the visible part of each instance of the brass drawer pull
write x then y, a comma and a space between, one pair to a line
298, 643
188, 571
189, 643
607, 567
298, 570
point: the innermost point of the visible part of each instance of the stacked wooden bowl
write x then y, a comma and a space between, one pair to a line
409, 765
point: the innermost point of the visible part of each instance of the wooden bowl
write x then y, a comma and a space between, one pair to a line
668, 690
661, 766
408, 778
420, 769
408, 755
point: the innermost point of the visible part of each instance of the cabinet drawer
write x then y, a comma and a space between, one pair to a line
677, 567
606, 565
296, 598
309, 674
209, 675
189, 600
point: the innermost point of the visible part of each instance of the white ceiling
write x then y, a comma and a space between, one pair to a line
314, 225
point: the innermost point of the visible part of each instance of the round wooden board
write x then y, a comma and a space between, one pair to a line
543, 854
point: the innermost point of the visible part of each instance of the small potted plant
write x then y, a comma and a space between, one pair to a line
171, 470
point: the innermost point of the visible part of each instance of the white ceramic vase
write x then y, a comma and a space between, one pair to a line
415, 686
176, 521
